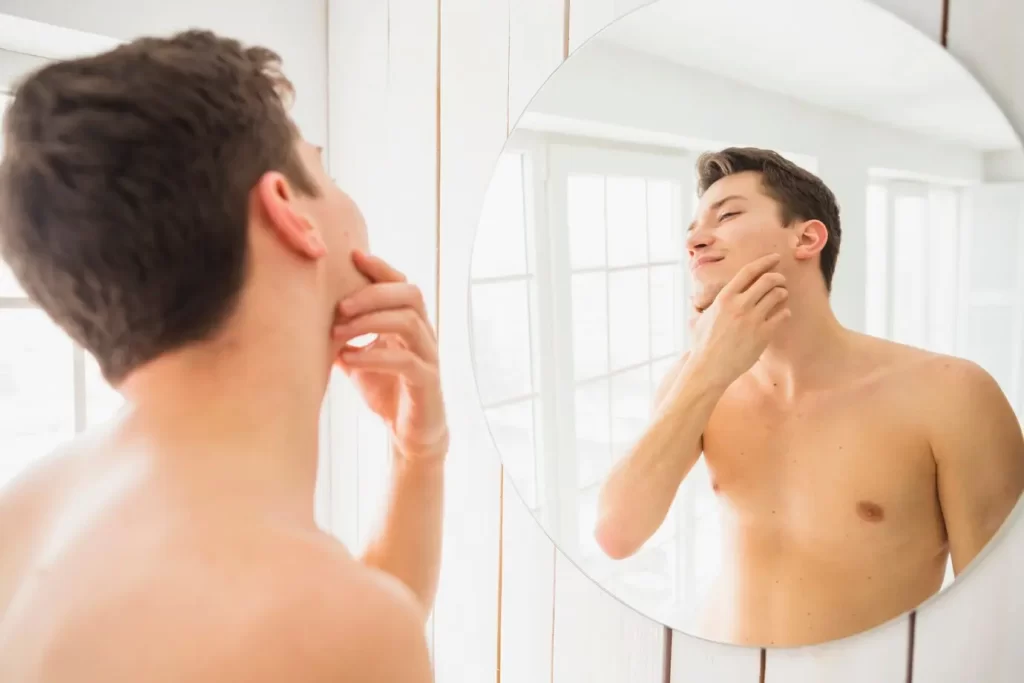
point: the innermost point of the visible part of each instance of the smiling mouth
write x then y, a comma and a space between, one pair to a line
703, 261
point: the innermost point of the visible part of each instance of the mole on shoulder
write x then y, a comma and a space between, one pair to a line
869, 511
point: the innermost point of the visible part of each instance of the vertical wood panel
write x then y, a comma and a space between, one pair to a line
972, 633
357, 95
474, 95
924, 15
528, 555
597, 638
535, 49
879, 656
528, 586
696, 661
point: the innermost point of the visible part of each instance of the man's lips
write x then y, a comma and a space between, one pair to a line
704, 260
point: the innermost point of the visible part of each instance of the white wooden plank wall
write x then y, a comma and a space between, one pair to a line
510, 607
474, 92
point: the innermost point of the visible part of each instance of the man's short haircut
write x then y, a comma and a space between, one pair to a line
801, 195
125, 186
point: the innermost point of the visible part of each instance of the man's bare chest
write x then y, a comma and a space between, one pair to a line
830, 473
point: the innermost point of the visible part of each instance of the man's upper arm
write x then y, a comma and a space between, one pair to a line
979, 454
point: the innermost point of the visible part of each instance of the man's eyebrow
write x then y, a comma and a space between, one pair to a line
714, 207
723, 200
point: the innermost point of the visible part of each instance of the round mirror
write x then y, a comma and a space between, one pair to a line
747, 316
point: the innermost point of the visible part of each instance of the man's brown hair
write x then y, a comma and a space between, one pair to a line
125, 183
800, 194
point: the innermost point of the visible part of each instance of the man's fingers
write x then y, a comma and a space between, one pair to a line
404, 323
394, 361
777, 318
749, 273
762, 287
376, 268
771, 302
384, 296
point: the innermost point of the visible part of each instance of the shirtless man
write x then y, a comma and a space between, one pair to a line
162, 207
848, 468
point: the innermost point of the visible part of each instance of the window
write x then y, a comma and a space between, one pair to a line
943, 274
911, 280
567, 378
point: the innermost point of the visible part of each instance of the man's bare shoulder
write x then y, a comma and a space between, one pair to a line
936, 383
26, 499
342, 620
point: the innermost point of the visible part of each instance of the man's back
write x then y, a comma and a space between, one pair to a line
831, 513
114, 570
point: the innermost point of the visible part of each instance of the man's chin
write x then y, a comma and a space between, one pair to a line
703, 300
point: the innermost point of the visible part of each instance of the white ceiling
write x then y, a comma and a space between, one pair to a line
845, 55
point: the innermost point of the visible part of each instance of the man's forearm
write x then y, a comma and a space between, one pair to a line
640, 489
409, 543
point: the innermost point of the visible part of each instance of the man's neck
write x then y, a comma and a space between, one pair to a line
241, 420
801, 356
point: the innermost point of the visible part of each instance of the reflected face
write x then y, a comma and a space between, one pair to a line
736, 222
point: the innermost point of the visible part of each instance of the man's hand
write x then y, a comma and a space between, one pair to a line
732, 333
397, 375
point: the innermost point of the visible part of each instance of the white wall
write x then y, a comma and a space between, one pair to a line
296, 29
612, 85
1004, 166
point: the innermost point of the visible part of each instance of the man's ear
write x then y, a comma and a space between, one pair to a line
811, 238
276, 199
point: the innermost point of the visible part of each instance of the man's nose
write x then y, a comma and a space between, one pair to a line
698, 240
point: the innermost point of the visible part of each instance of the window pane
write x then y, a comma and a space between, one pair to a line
876, 265
660, 370
512, 429
592, 432
101, 401
910, 275
666, 309
501, 340
665, 236
585, 207
500, 247
627, 221
705, 548
36, 389
629, 333
631, 408
943, 253
590, 324
9, 286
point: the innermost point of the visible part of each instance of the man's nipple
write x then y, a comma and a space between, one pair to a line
871, 512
